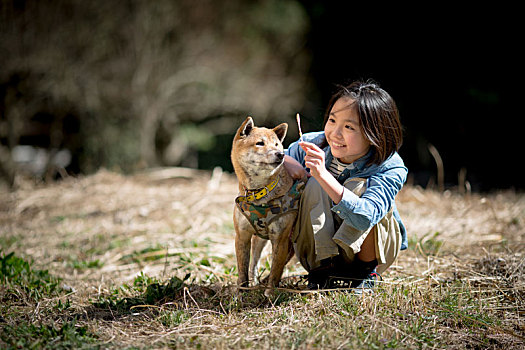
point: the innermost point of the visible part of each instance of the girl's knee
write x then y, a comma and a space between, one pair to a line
312, 189
356, 185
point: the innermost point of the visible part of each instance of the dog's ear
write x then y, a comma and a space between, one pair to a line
246, 127
280, 130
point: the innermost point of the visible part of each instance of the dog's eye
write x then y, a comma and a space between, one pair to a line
260, 143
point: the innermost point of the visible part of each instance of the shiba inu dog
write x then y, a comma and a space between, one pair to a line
266, 207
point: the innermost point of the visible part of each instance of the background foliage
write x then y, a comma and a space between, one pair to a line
133, 84
145, 83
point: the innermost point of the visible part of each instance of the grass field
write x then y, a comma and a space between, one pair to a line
147, 261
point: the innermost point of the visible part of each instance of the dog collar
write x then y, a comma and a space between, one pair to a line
255, 195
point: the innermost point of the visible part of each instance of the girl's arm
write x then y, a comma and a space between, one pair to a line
294, 168
359, 212
378, 199
294, 159
315, 160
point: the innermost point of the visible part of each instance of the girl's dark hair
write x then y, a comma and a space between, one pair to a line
378, 116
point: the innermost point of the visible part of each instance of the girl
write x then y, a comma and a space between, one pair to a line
348, 223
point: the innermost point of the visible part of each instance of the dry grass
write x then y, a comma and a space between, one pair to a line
117, 241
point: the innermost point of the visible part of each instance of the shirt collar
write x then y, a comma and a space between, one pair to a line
361, 163
358, 165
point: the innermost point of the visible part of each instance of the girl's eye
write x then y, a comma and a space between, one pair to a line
331, 120
260, 143
350, 127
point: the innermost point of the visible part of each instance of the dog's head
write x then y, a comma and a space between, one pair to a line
257, 151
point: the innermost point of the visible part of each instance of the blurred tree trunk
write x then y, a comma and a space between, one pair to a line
7, 167
139, 69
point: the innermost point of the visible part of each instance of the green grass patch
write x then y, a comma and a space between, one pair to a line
33, 336
173, 318
152, 292
8, 241
147, 254
84, 265
19, 276
427, 245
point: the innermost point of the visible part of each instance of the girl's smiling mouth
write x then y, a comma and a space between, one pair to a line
337, 145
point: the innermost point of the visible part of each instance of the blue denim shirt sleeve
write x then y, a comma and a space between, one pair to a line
404, 237
366, 211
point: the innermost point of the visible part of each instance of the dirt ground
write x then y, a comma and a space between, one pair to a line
102, 231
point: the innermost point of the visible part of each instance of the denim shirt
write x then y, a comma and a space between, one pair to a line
384, 181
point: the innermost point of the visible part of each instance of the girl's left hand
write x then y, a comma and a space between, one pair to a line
294, 168
314, 159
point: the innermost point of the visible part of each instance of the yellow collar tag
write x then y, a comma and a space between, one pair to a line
260, 194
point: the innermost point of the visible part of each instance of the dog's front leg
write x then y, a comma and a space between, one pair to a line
281, 254
258, 245
243, 237
242, 250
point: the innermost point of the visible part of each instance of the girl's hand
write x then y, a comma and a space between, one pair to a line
294, 168
314, 159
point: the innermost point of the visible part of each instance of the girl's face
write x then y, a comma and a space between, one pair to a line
343, 132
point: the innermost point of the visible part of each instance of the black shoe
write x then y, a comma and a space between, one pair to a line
358, 286
335, 282
315, 284
333, 274
318, 277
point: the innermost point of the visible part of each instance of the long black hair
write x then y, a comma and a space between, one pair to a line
378, 116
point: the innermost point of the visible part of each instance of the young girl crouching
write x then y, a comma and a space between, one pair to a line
348, 226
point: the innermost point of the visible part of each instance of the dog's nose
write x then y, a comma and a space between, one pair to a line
280, 155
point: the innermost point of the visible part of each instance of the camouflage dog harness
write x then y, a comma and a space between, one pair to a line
262, 215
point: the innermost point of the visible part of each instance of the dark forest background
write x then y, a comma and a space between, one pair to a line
133, 84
